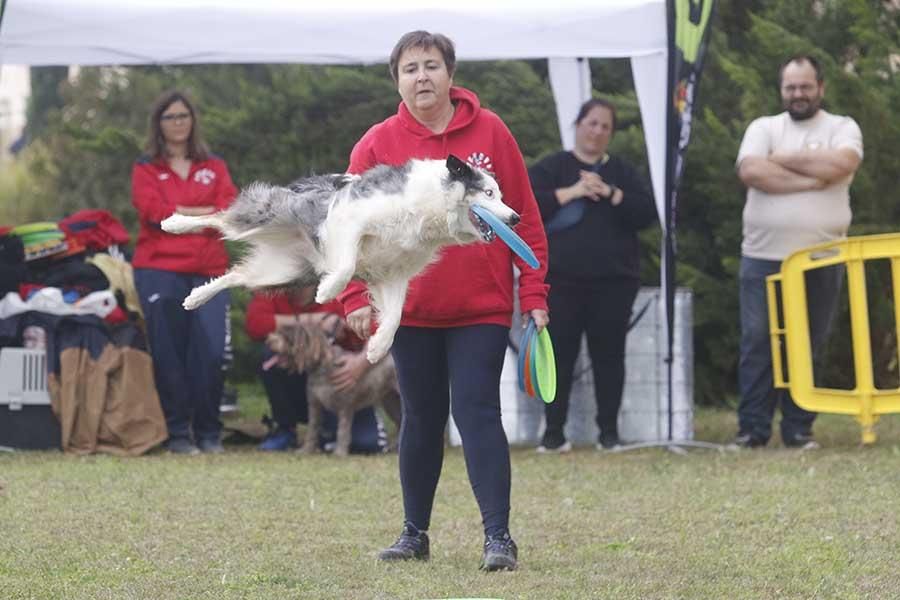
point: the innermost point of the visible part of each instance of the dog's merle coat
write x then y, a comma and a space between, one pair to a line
383, 227
382, 178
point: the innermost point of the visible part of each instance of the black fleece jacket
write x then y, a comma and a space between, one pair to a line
604, 244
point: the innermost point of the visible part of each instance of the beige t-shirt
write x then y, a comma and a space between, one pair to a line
775, 225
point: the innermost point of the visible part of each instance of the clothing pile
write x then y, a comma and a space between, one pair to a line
68, 289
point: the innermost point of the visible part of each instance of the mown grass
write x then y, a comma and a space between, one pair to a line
773, 523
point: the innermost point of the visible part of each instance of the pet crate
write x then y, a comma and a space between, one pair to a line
644, 414
26, 419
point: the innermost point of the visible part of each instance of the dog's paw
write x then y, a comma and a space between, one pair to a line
376, 350
194, 300
308, 449
328, 289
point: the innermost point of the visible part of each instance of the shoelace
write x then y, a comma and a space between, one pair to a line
499, 543
408, 540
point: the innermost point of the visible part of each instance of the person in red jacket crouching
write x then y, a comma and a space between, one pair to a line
179, 174
286, 391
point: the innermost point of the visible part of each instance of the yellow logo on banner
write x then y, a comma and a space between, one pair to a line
691, 19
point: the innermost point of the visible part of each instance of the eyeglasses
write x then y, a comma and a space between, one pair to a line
804, 88
176, 117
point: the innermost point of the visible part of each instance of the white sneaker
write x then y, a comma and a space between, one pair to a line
614, 448
566, 447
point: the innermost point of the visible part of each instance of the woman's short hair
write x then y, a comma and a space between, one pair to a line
156, 144
425, 40
591, 105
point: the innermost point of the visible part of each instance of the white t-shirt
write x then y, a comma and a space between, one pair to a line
775, 225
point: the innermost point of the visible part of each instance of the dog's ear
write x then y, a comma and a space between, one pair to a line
458, 168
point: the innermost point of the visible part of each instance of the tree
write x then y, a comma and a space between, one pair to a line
45, 97
854, 40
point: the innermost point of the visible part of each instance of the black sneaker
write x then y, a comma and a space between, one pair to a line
210, 446
748, 440
500, 553
411, 545
181, 445
554, 442
609, 441
802, 441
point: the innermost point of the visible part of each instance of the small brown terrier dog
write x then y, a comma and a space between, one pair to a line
309, 348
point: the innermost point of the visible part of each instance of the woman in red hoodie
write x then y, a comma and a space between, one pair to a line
458, 311
188, 347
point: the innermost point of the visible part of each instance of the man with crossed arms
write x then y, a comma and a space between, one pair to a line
797, 166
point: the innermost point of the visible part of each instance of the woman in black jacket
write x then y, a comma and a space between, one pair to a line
593, 205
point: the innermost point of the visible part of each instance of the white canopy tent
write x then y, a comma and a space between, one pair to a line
119, 32
565, 32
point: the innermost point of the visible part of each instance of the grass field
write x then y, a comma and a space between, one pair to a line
770, 523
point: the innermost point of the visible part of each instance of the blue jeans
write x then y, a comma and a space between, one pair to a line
759, 397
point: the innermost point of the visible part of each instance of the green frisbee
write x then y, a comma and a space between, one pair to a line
544, 372
38, 227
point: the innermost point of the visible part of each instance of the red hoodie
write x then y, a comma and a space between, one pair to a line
155, 190
470, 284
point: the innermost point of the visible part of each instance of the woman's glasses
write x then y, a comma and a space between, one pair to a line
176, 117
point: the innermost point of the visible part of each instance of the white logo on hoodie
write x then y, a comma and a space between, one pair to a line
480, 160
204, 176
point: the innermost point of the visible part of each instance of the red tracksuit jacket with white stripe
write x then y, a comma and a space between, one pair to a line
155, 191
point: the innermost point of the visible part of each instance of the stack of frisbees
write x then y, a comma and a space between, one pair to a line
537, 365
41, 239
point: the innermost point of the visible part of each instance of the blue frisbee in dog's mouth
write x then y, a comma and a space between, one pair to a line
509, 237
487, 234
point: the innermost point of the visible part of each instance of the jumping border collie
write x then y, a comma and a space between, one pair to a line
384, 227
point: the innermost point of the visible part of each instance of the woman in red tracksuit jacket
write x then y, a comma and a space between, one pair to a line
287, 391
458, 311
188, 347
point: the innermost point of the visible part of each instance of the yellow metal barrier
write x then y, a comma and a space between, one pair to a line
865, 402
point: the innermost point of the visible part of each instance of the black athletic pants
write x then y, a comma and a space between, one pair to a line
602, 311
466, 362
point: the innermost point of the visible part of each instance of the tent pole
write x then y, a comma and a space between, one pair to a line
668, 249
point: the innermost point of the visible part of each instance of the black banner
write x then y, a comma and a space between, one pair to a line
688, 28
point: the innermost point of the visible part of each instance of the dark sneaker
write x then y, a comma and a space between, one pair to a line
609, 441
802, 441
554, 442
411, 545
748, 440
211, 446
280, 440
181, 445
500, 553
